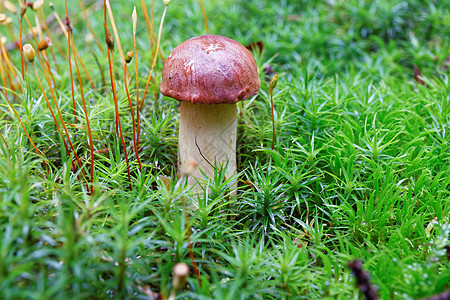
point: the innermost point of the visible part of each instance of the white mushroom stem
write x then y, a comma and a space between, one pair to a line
208, 135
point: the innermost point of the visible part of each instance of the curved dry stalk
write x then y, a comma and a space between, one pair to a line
4, 52
204, 17
116, 34
155, 57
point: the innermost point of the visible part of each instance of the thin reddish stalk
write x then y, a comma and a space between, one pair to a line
2, 71
49, 34
204, 17
98, 64
69, 29
83, 10
132, 114
83, 66
116, 106
12, 69
88, 124
4, 141
31, 29
70, 63
116, 34
137, 101
50, 108
65, 127
273, 123
155, 57
148, 24
26, 132
20, 48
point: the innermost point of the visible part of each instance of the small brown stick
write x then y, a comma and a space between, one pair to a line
363, 280
204, 17
13, 45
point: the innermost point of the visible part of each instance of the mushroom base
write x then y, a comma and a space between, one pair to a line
207, 135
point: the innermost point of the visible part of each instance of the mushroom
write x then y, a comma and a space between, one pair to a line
209, 74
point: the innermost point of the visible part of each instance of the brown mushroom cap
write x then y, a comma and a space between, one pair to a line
210, 69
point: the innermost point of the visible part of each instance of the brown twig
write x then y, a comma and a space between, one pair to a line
13, 45
363, 280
